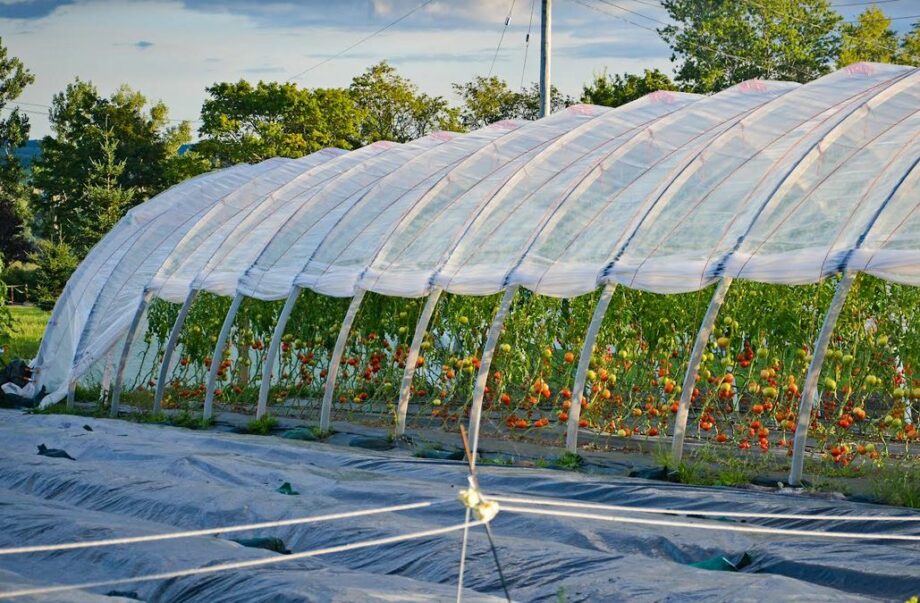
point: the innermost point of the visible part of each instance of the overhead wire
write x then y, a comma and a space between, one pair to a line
533, 3
344, 51
501, 38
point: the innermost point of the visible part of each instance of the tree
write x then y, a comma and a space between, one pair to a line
487, 100
615, 90
909, 50
246, 123
719, 43
106, 201
146, 147
869, 39
55, 263
392, 108
14, 132
530, 101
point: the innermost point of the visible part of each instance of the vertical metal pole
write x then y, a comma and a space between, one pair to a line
125, 352
810, 387
546, 15
584, 362
693, 368
273, 348
479, 389
325, 413
218, 355
170, 348
402, 408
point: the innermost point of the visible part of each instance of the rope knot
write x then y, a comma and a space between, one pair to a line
484, 510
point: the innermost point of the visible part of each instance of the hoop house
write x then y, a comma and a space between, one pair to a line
773, 182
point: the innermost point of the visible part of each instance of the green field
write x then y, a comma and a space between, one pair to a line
29, 325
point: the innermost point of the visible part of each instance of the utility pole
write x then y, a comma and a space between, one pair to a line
545, 50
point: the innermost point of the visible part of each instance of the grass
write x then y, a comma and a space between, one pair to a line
28, 326
263, 426
898, 484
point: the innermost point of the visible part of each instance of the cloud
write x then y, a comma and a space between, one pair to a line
143, 44
30, 9
263, 69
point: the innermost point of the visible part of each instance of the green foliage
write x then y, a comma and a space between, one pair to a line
615, 90
105, 199
14, 132
87, 127
55, 262
909, 52
487, 100
570, 461
897, 484
718, 44
869, 39
242, 122
6, 320
392, 108
263, 426
28, 325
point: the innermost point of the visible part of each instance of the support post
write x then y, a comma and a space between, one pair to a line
584, 362
273, 348
218, 355
693, 368
170, 348
325, 413
810, 387
105, 389
71, 393
485, 364
125, 352
546, 28
402, 408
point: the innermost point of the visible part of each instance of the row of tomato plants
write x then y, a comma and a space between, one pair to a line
746, 395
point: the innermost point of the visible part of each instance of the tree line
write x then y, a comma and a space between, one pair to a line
106, 154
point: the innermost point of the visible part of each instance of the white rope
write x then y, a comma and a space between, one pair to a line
238, 564
742, 514
41, 548
466, 534
702, 526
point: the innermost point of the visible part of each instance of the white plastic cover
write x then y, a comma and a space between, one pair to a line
768, 181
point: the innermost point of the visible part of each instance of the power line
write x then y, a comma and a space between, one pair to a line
533, 3
361, 41
35, 112
501, 38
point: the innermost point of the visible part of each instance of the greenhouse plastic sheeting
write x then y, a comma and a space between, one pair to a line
769, 181
132, 480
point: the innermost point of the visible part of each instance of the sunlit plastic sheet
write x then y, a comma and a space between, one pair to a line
769, 181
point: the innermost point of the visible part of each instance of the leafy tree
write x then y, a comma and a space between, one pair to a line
247, 123
55, 263
392, 108
82, 120
615, 90
909, 51
487, 100
530, 101
869, 39
718, 43
106, 201
14, 132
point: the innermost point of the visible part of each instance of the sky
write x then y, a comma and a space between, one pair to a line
171, 50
